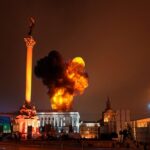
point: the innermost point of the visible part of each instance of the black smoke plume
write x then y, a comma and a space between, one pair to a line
51, 69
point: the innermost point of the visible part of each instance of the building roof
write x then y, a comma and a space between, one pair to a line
4, 119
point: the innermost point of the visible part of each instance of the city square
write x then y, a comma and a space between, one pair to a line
75, 75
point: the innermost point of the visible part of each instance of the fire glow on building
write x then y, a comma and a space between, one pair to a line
64, 79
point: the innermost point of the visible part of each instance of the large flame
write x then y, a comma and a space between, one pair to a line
76, 73
79, 60
62, 98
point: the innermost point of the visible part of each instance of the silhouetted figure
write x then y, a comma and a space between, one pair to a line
31, 25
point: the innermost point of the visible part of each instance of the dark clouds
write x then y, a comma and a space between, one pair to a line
111, 36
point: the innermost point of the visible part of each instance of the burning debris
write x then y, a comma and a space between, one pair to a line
63, 79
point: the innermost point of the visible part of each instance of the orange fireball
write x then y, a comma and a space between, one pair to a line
75, 72
61, 100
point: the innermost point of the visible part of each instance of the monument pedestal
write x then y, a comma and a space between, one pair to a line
27, 122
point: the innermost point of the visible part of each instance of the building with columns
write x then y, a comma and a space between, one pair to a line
60, 121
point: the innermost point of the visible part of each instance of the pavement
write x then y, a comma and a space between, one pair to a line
54, 145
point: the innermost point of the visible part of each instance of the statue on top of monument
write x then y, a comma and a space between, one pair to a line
31, 25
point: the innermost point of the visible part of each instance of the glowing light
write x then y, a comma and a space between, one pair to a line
28, 74
62, 98
106, 119
143, 122
29, 43
149, 106
75, 72
79, 60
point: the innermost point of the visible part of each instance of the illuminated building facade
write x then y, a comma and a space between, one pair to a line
108, 119
28, 127
27, 122
90, 130
114, 121
5, 124
122, 120
61, 121
141, 130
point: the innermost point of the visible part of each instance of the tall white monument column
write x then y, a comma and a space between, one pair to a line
27, 119
30, 42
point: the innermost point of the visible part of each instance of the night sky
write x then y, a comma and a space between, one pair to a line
113, 37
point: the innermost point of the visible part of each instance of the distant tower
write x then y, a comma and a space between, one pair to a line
108, 103
108, 118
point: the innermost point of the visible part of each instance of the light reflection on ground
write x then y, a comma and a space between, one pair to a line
50, 145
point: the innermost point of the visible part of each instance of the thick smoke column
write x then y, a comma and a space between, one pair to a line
51, 70
63, 79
